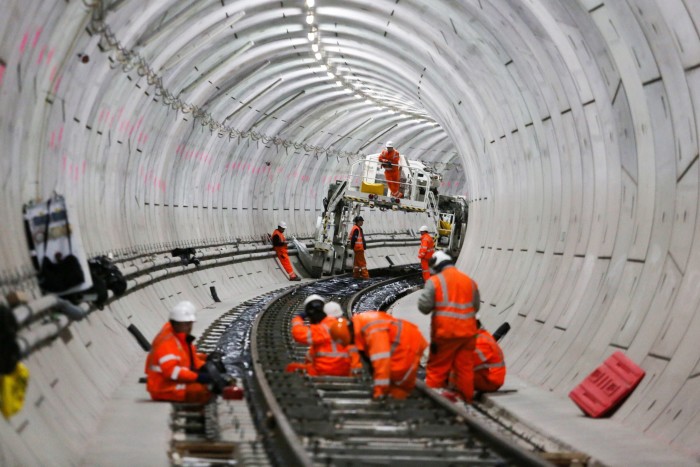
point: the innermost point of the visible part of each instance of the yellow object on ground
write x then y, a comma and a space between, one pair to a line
445, 229
12, 390
374, 188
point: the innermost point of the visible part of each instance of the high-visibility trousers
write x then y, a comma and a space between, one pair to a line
426, 269
452, 354
392, 177
284, 259
197, 393
483, 384
359, 265
403, 382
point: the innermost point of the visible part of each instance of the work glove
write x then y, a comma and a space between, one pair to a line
203, 377
216, 358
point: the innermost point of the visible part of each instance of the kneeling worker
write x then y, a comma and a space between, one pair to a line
325, 357
174, 369
393, 346
489, 365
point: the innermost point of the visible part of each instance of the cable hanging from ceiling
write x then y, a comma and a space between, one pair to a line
130, 60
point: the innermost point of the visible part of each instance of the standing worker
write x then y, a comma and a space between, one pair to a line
453, 299
358, 246
489, 365
279, 243
426, 251
390, 159
325, 357
173, 364
393, 346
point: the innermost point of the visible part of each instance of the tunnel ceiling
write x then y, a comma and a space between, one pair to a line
570, 126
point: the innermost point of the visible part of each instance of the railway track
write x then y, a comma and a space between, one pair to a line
334, 421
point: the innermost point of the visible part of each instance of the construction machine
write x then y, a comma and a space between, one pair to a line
366, 186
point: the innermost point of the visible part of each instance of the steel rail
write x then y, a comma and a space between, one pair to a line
333, 421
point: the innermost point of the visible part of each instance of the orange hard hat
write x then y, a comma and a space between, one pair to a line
341, 331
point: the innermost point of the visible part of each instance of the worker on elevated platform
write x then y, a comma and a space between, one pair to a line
358, 246
453, 299
426, 251
174, 370
325, 357
390, 161
279, 243
393, 346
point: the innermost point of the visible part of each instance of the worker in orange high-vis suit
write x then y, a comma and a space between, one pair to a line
173, 364
426, 251
489, 365
389, 160
279, 243
453, 299
358, 245
325, 356
393, 346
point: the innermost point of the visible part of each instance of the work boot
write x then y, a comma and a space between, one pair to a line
295, 278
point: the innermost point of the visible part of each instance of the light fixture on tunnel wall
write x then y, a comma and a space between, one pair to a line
310, 3
371, 96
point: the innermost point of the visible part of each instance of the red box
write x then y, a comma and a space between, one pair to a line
607, 387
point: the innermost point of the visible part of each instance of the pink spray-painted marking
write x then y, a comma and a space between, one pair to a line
51, 141
41, 55
23, 44
49, 56
57, 83
37, 35
2, 71
52, 75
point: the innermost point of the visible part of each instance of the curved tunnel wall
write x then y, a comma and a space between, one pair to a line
570, 127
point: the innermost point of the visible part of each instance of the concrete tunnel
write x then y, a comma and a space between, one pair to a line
571, 128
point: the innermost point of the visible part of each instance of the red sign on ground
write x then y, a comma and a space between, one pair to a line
608, 386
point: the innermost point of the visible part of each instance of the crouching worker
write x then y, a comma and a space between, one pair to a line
325, 357
393, 346
175, 372
489, 365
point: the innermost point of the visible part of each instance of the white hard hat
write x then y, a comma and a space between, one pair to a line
423, 228
313, 298
438, 259
333, 309
390, 144
282, 224
183, 312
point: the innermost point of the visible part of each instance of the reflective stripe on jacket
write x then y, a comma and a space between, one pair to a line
454, 311
488, 358
170, 365
392, 158
357, 238
427, 246
391, 344
327, 356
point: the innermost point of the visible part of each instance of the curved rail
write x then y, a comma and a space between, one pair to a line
334, 421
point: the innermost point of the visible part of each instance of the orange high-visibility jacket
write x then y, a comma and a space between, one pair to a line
427, 246
392, 158
392, 345
279, 243
327, 356
454, 312
170, 365
488, 358
357, 238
